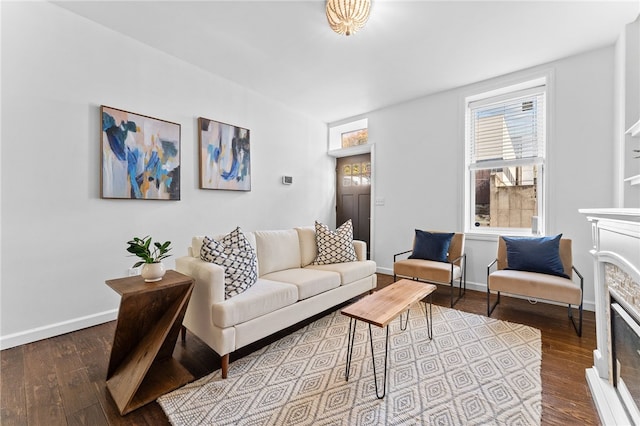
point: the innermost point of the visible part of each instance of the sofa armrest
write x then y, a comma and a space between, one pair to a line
209, 277
361, 249
208, 289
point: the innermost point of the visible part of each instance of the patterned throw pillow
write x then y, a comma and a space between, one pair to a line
335, 246
237, 256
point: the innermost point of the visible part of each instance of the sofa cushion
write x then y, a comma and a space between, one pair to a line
235, 254
431, 245
262, 298
277, 250
349, 271
308, 247
334, 246
537, 254
309, 282
537, 285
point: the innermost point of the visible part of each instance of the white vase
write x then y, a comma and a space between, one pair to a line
152, 272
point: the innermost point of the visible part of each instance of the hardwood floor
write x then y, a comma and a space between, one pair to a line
61, 381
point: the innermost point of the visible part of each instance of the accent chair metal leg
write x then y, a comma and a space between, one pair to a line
460, 293
489, 307
464, 272
451, 283
577, 327
461, 280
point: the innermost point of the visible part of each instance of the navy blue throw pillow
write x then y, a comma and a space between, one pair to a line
431, 246
537, 254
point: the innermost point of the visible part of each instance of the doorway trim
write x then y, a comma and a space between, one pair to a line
356, 150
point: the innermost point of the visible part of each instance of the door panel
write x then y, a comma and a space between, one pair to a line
353, 195
364, 213
347, 211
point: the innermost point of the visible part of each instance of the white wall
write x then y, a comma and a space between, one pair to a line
420, 162
629, 97
60, 241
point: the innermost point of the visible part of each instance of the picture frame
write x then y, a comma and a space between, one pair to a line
140, 156
225, 156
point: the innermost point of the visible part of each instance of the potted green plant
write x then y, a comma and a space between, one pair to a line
151, 257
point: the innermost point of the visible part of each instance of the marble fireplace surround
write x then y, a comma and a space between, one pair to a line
616, 253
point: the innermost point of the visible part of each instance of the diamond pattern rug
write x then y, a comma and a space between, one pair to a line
475, 371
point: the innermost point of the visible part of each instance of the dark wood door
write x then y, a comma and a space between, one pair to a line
353, 195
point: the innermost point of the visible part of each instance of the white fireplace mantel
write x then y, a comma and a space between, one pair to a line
616, 241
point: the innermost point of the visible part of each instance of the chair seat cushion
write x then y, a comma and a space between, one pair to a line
309, 282
428, 270
537, 285
263, 297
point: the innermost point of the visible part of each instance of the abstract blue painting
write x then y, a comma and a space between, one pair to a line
225, 156
140, 156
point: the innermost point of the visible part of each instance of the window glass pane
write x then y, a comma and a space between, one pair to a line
357, 137
366, 173
505, 197
507, 131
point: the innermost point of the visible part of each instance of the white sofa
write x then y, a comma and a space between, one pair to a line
289, 289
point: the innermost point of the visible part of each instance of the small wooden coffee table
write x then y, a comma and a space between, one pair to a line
382, 307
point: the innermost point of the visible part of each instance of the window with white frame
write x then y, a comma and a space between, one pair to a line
349, 135
505, 159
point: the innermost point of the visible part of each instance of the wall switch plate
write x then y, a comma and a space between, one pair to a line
133, 271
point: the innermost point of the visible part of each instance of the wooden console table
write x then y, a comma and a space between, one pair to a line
141, 366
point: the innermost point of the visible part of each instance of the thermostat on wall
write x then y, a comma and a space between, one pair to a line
287, 180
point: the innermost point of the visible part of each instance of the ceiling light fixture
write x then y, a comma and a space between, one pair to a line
347, 16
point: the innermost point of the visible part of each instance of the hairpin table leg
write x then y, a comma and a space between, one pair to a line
428, 314
352, 338
373, 358
406, 323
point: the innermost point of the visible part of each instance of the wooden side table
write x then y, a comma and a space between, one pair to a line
141, 366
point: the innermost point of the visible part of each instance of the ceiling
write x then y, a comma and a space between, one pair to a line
286, 51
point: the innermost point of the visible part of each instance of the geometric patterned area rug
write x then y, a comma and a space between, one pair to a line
475, 371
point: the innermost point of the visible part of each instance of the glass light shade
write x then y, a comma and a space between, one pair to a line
347, 16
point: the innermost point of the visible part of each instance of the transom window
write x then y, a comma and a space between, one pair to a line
505, 157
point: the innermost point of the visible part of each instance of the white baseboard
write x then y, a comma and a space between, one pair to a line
587, 304
39, 333
606, 400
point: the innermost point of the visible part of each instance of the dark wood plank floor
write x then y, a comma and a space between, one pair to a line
61, 381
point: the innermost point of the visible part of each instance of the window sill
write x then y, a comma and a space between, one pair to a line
493, 236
